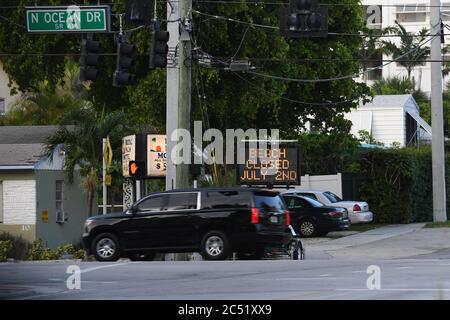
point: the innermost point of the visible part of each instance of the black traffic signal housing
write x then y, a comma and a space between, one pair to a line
89, 57
137, 169
159, 50
139, 12
304, 19
126, 55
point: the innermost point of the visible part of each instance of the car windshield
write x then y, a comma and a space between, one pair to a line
313, 202
332, 197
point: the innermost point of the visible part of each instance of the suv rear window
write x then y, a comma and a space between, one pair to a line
225, 199
269, 202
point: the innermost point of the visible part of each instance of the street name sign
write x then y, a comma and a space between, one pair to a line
73, 19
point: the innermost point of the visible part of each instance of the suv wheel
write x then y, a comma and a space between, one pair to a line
215, 246
307, 228
139, 256
106, 247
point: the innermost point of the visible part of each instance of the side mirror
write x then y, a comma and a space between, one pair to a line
132, 210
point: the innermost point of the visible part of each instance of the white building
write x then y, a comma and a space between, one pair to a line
413, 15
6, 99
390, 119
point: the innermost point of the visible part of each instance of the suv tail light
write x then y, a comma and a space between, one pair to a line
288, 218
356, 208
255, 216
335, 214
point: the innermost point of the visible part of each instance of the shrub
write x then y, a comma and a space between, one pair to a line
39, 252
5, 247
79, 254
63, 250
399, 184
20, 247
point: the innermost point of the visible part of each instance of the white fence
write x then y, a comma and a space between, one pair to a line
331, 183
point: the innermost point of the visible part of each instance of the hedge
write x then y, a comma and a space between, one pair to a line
399, 184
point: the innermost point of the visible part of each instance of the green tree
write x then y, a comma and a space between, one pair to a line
79, 137
228, 99
45, 105
410, 52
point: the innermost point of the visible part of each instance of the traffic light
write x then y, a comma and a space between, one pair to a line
138, 12
126, 55
137, 169
89, 58
304, 19
159, 50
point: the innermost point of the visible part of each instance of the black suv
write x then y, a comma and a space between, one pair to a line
214, 222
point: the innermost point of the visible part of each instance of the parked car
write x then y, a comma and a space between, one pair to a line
310, 218
358, 211
214, 222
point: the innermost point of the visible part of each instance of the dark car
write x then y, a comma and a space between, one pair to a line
311, 218
214, 222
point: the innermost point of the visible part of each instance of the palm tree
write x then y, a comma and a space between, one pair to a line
79, 137
44, 106
372, 50
410, 52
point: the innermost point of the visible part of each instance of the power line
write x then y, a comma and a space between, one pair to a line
355, 75
279, 3
317, 104
269, 27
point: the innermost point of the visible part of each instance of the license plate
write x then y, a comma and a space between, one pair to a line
274, 219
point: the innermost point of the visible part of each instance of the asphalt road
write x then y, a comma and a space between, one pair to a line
421, 278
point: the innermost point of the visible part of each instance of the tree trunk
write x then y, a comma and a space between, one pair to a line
90, 188
90, 200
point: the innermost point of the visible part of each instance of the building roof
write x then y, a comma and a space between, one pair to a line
389, 101
22, 146
25, 134
20, 154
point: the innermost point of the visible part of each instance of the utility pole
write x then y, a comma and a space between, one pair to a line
185, 84
178, 86
173, 76
437, 116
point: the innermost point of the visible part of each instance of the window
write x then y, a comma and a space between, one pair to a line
309, 195
153, 204
313, 203
332, 197
2, 106
182, 201
225, 199
294, 203
59, 195
1, 202
269, 203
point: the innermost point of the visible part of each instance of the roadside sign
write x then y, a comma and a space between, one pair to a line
108, 154
68, 19
128, 153
266, 166
156, 155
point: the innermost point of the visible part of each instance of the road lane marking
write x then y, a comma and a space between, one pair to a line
104, 267
359, 271
300, 279
392, 289
402, 268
